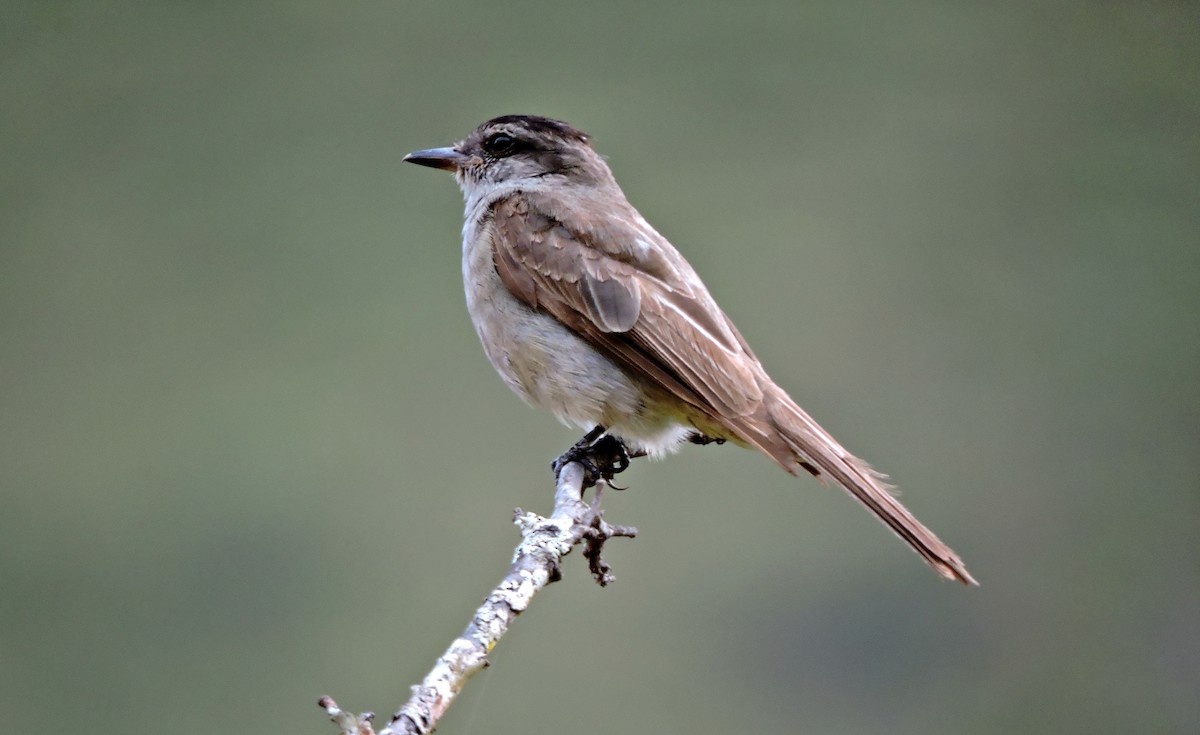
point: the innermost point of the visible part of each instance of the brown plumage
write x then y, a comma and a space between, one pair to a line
567, 283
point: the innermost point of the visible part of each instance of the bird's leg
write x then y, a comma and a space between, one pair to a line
579, 451
701, 439
602, 456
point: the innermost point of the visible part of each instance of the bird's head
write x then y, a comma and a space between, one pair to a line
516, 151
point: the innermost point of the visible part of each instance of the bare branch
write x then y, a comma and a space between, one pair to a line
536, 563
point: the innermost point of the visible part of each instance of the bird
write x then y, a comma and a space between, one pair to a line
585, 310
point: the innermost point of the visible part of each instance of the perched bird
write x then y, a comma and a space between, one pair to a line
585, 310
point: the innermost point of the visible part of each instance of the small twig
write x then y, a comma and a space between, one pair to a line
350, 724
594, 537
536, 563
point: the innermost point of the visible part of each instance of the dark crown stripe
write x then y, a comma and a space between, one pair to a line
538, 124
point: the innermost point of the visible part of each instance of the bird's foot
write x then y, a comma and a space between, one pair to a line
602, 456
701, 439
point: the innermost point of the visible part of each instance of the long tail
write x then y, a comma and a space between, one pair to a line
799, 442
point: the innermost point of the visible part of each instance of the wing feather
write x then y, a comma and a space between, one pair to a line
656, 321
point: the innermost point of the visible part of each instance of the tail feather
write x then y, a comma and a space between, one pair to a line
801, 442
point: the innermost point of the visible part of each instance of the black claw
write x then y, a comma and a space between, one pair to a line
701, 439
602, 456
577, 450
611, 457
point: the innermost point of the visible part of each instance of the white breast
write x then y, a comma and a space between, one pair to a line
551, 367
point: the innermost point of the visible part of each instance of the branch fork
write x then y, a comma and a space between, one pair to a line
536, 562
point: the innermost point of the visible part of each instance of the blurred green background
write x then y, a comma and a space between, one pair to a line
251, 453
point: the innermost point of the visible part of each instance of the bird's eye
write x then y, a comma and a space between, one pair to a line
500, 144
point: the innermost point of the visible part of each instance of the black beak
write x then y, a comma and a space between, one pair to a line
446, 159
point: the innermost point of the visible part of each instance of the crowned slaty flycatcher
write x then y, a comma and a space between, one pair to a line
585, 310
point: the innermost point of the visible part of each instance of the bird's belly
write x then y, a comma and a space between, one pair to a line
552, 368
544, 362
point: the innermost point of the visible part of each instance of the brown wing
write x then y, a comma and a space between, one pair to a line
638, 303
623, 288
